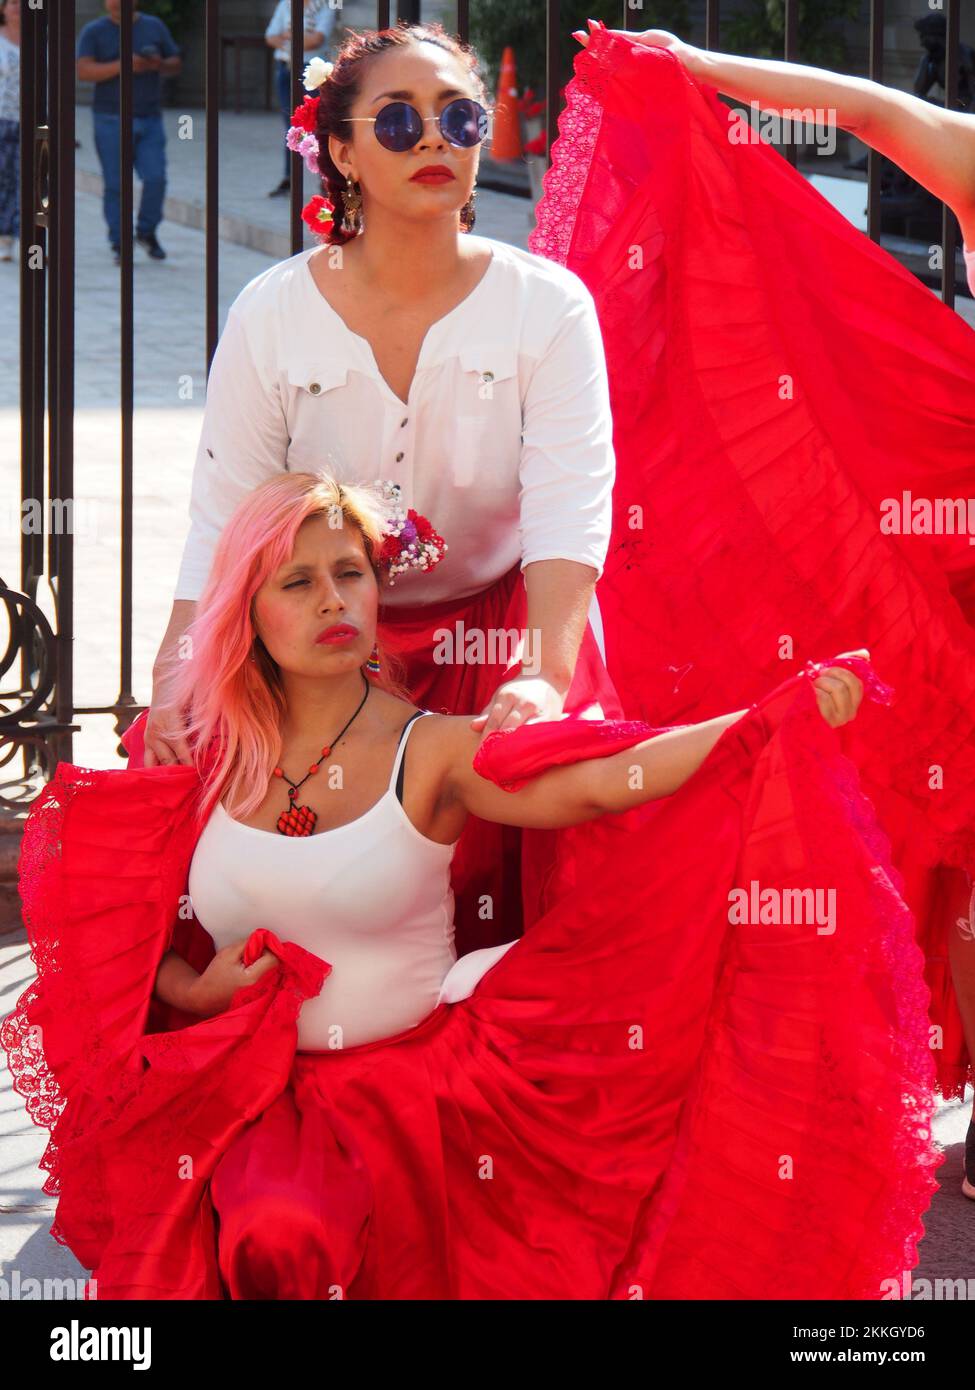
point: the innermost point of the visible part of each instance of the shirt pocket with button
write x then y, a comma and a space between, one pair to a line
485, 440
315, 442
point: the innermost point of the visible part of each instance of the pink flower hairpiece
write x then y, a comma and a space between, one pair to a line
410, 540
301, 135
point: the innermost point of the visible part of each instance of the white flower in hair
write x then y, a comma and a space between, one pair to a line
317, 72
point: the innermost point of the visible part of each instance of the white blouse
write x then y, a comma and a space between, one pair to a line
504, 443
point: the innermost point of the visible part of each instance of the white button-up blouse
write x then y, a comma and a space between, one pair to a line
505, 442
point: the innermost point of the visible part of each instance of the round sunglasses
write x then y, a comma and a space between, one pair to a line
399, 126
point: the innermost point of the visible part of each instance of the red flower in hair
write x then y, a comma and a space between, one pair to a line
306, 115
389, 550
318, 214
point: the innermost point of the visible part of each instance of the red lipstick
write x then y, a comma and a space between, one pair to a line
433, 173
339, 632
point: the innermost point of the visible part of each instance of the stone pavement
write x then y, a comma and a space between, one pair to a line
169, 352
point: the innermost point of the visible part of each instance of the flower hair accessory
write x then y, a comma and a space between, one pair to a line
410, 540
301, 135
318, 214
317, 72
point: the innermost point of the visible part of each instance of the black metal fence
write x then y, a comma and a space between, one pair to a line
37, 709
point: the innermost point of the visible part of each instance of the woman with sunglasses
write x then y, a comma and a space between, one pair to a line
468, 372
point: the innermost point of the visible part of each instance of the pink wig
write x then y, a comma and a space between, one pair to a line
226, 698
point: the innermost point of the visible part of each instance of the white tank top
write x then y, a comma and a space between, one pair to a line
372, 897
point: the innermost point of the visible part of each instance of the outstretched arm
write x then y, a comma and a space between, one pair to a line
654, 768
584, 790
933, 145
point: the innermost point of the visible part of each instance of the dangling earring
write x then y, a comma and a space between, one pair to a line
352, 201
372, 665
467, 213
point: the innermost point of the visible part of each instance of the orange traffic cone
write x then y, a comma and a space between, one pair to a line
506, 136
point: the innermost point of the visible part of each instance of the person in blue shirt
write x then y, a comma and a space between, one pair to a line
155, 55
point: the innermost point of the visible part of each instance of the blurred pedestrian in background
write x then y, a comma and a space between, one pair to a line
320, 18
9, 127
154, 55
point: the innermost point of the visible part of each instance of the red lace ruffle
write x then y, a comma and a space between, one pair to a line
100, 901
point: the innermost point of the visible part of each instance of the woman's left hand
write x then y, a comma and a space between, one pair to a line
655, 38
520, 701
839, 692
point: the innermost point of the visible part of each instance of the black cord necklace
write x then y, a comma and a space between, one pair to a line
301, 820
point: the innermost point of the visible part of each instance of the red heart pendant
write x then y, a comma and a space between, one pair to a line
297, 820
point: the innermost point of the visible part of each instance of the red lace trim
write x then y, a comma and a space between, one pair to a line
41, 891
565, 178
898, 958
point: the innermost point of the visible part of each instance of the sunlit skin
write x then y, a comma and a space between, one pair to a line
424, 216
403, 273
328, 580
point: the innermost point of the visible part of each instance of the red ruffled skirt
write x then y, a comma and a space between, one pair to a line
637, 1056
779, 385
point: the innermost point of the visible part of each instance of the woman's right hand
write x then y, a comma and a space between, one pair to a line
165, 739
212, 990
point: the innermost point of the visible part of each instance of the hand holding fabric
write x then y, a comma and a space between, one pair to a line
839, 691
214, 988
522, 700
659, 38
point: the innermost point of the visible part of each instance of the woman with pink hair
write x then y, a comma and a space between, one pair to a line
267, 1074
